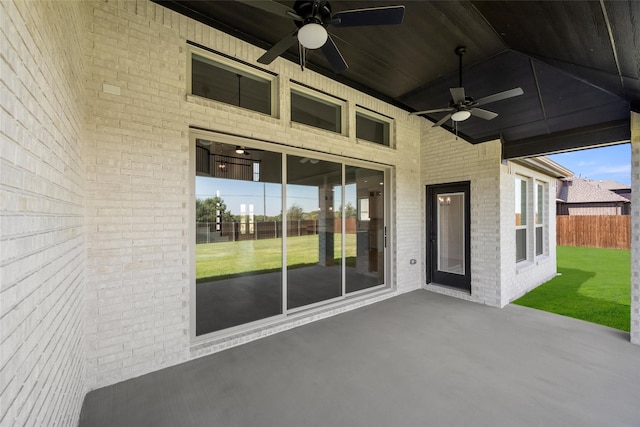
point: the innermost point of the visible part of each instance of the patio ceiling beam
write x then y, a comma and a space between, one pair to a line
601, 134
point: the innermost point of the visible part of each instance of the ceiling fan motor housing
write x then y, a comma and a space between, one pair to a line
304, 9
467, 104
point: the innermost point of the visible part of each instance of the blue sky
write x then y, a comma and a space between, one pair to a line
258, 197
613, 162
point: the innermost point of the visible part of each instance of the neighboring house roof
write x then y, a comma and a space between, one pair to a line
610, 185
580, 190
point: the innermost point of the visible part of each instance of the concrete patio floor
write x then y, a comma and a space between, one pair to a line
420, 359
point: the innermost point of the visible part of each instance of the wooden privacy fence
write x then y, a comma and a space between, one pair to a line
206, 232
594, 231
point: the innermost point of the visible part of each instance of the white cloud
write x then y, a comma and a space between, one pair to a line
583, 163
614, 170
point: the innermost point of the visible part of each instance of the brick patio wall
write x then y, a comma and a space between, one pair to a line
139, 114
520, 278
95, 185
496, 279
42, 229
446, 159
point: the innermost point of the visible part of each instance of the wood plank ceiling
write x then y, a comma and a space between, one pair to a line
578, 62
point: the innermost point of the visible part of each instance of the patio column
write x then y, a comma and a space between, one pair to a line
325, 226
635, 228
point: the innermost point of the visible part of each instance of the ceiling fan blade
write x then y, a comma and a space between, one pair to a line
483, 114
437, 110
442, 120
387, 15
333, 55
457, 94
273, 7
279, 48
500, 96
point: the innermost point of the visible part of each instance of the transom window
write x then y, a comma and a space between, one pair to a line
317, 110
373, 127
221, 79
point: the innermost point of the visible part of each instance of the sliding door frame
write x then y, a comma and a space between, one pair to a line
286, 150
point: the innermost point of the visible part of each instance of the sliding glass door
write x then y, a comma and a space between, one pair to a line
277, 232
238, 236
312, 272
364, 228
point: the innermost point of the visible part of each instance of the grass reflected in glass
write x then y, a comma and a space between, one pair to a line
223, 260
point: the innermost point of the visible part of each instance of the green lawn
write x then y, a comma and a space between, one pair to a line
594, 286
230, 259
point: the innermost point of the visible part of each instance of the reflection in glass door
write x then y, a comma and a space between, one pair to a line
238, 235
313, 246
364, 227
450, 211
325, 229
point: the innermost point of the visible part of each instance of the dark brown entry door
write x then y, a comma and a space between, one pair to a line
448, 241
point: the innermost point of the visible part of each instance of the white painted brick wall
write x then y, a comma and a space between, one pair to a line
635, 228
495, 278
520, 278
446, 159
408, 208
42, 234
138, 198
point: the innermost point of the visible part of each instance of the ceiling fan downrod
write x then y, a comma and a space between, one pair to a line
460, 50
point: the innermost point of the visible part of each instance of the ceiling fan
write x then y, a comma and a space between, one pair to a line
462, 107
312, 17
310, 160
245, 151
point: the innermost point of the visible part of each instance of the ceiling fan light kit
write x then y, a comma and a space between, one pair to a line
312, 35
460, 116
